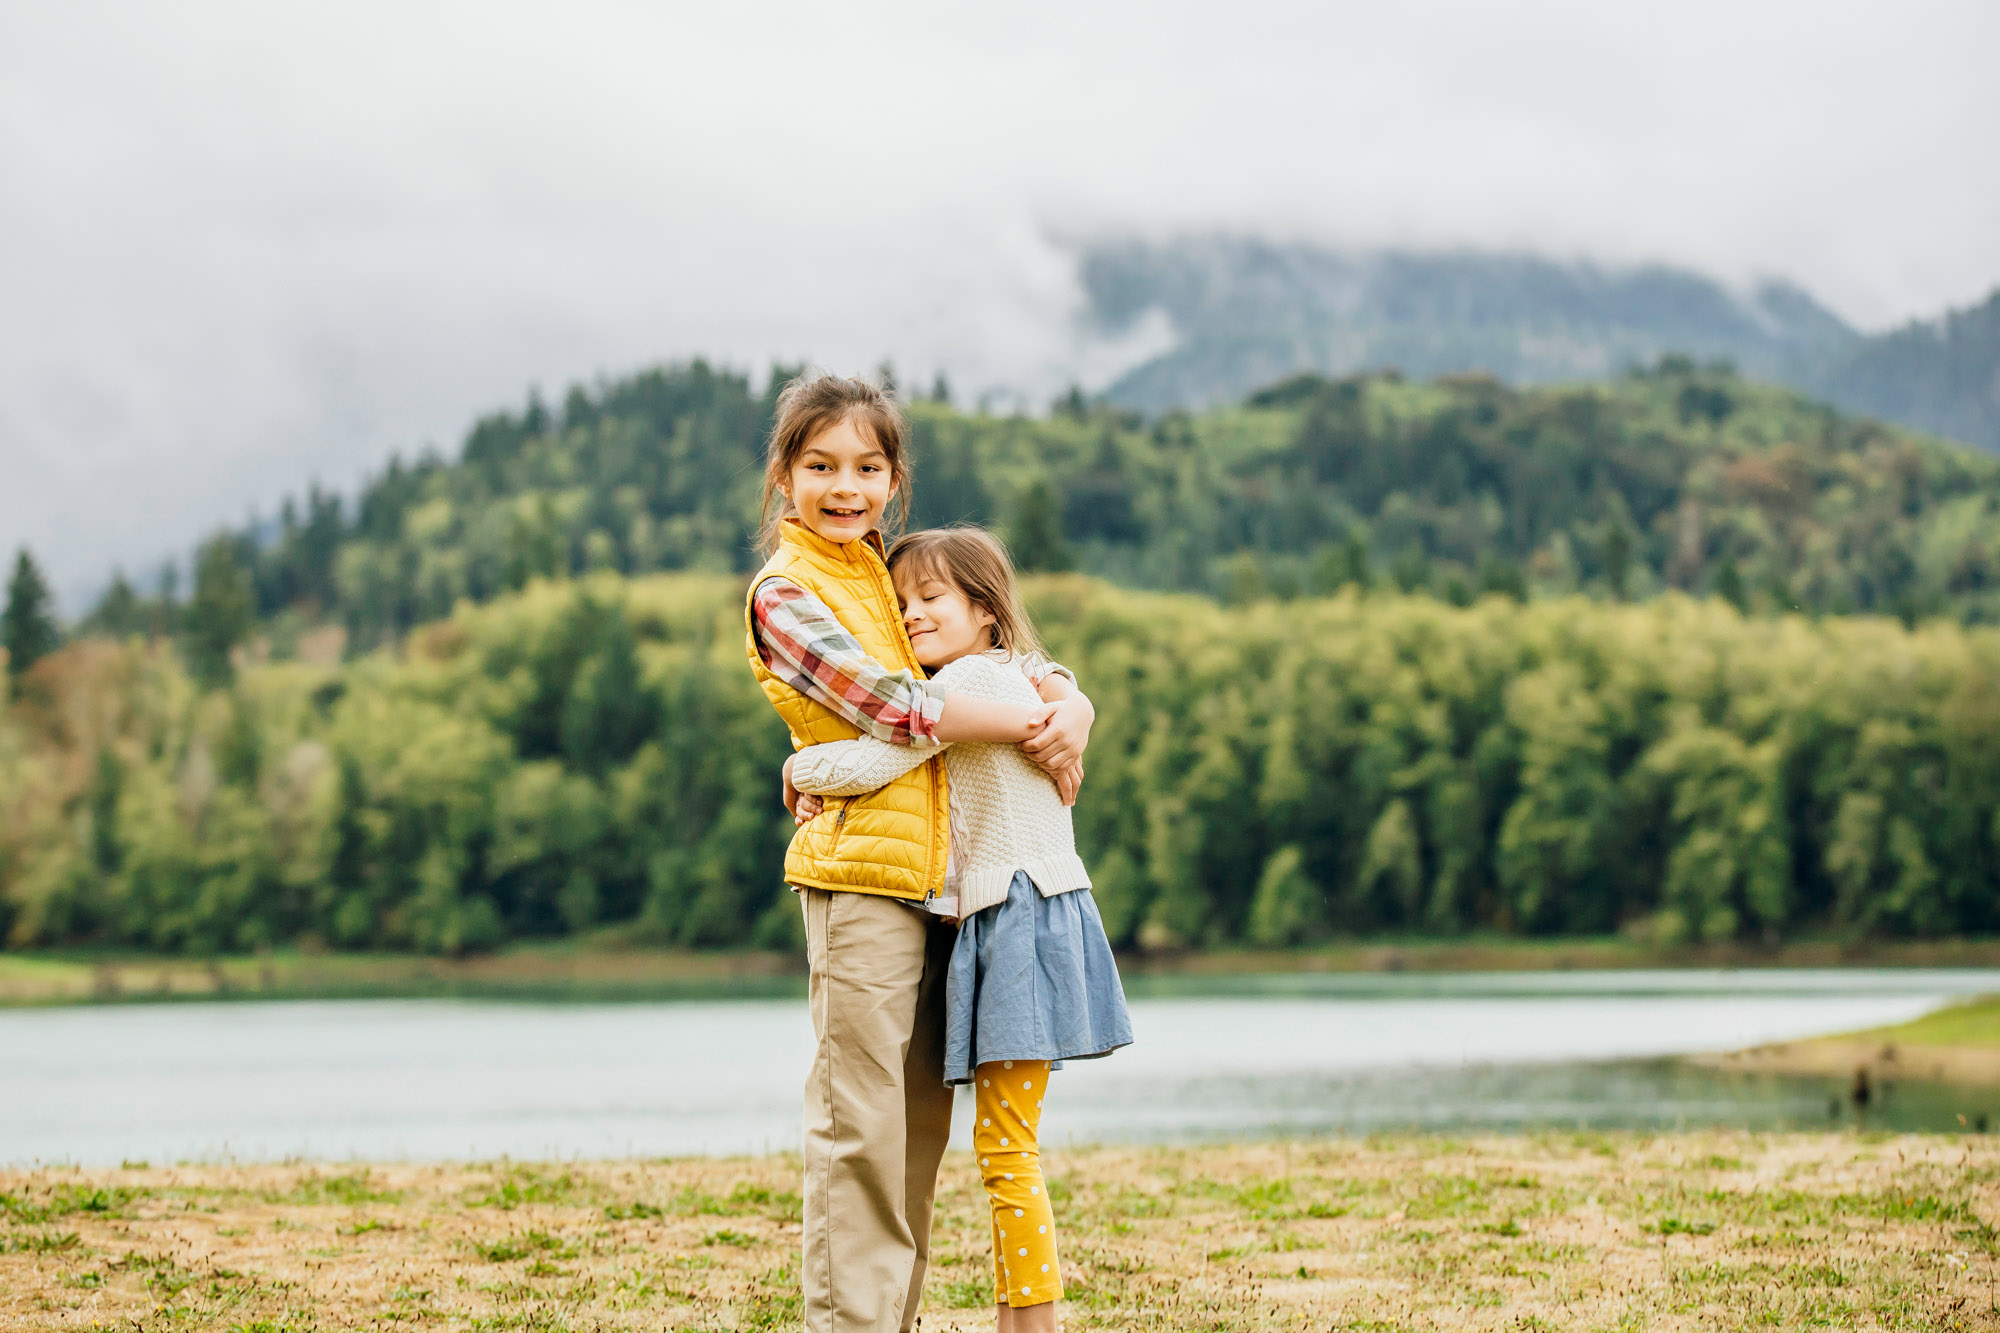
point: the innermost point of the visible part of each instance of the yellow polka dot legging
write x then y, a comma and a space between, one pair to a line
1008, 1105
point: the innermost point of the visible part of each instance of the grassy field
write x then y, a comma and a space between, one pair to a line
1976, 1023
599, 969
1957, 1044
1589, 1232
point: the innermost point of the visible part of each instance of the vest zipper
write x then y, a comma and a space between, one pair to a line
880, 571
839, 823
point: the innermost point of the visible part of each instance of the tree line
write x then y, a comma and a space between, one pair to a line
591, 757
1678, 477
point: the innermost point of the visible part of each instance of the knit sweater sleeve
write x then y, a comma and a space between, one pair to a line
849, 768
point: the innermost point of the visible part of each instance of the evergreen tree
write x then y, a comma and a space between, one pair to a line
1336, 567
118, 612
1729, 585
1498, 574
1036, 536
219, 614
1243, 580
165, 615
1617, 559
28, 627
1288, 907
535, 421
609, 713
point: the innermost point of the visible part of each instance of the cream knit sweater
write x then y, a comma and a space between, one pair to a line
1005, 813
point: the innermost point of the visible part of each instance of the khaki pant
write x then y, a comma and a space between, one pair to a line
877, 1110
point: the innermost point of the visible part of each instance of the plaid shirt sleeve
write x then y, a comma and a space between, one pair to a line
806, 647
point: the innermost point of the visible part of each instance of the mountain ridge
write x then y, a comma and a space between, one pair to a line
1678, 476
1247, 312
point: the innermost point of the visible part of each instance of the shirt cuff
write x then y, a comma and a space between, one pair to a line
925, 716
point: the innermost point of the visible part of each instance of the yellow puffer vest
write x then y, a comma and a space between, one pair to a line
891, 841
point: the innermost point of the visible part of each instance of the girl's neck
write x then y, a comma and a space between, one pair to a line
973, 651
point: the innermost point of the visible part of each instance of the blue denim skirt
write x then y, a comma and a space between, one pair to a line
1032, 979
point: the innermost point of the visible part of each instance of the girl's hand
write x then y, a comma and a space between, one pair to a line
807, 808
1069, 782
1063, 738
792, 794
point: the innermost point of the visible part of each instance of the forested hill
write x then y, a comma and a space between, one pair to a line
1677, 477
591, 756
1244, 312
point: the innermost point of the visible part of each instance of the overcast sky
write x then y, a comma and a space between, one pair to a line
246, 244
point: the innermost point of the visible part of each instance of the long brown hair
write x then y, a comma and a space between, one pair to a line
973, 560
810, 404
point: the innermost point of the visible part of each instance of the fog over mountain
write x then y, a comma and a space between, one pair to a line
1241, 313
243, 245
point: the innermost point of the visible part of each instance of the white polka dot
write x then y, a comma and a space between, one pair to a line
1038, 1105
1019, 1213
986, 1161
1045, 1268
1024, 1251
1008, 1063
1034, 1189
1008, 1175
985, 1082
1003, 1235
1003, 1102
1025, 1291
1003, 1143
1044, 1231
987, 1124
1027, 1083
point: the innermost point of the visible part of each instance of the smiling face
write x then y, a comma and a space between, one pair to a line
944, 624
841, 482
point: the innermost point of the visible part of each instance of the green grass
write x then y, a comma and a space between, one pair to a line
1975, 1023
1619, 1231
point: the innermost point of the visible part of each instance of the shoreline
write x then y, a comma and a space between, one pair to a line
1717, 1229
1884, 1063
593, 972
1958, 1044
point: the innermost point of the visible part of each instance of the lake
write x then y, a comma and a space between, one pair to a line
1215, 1058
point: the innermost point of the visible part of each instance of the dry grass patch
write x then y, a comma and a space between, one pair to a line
1556, 1231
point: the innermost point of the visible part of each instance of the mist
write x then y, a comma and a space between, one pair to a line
246, 246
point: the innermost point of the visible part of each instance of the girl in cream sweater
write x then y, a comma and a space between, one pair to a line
1032, 981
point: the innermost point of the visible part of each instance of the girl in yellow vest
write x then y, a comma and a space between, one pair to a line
827, 644
1032, 981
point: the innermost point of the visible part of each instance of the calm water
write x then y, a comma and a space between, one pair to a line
427, 1079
